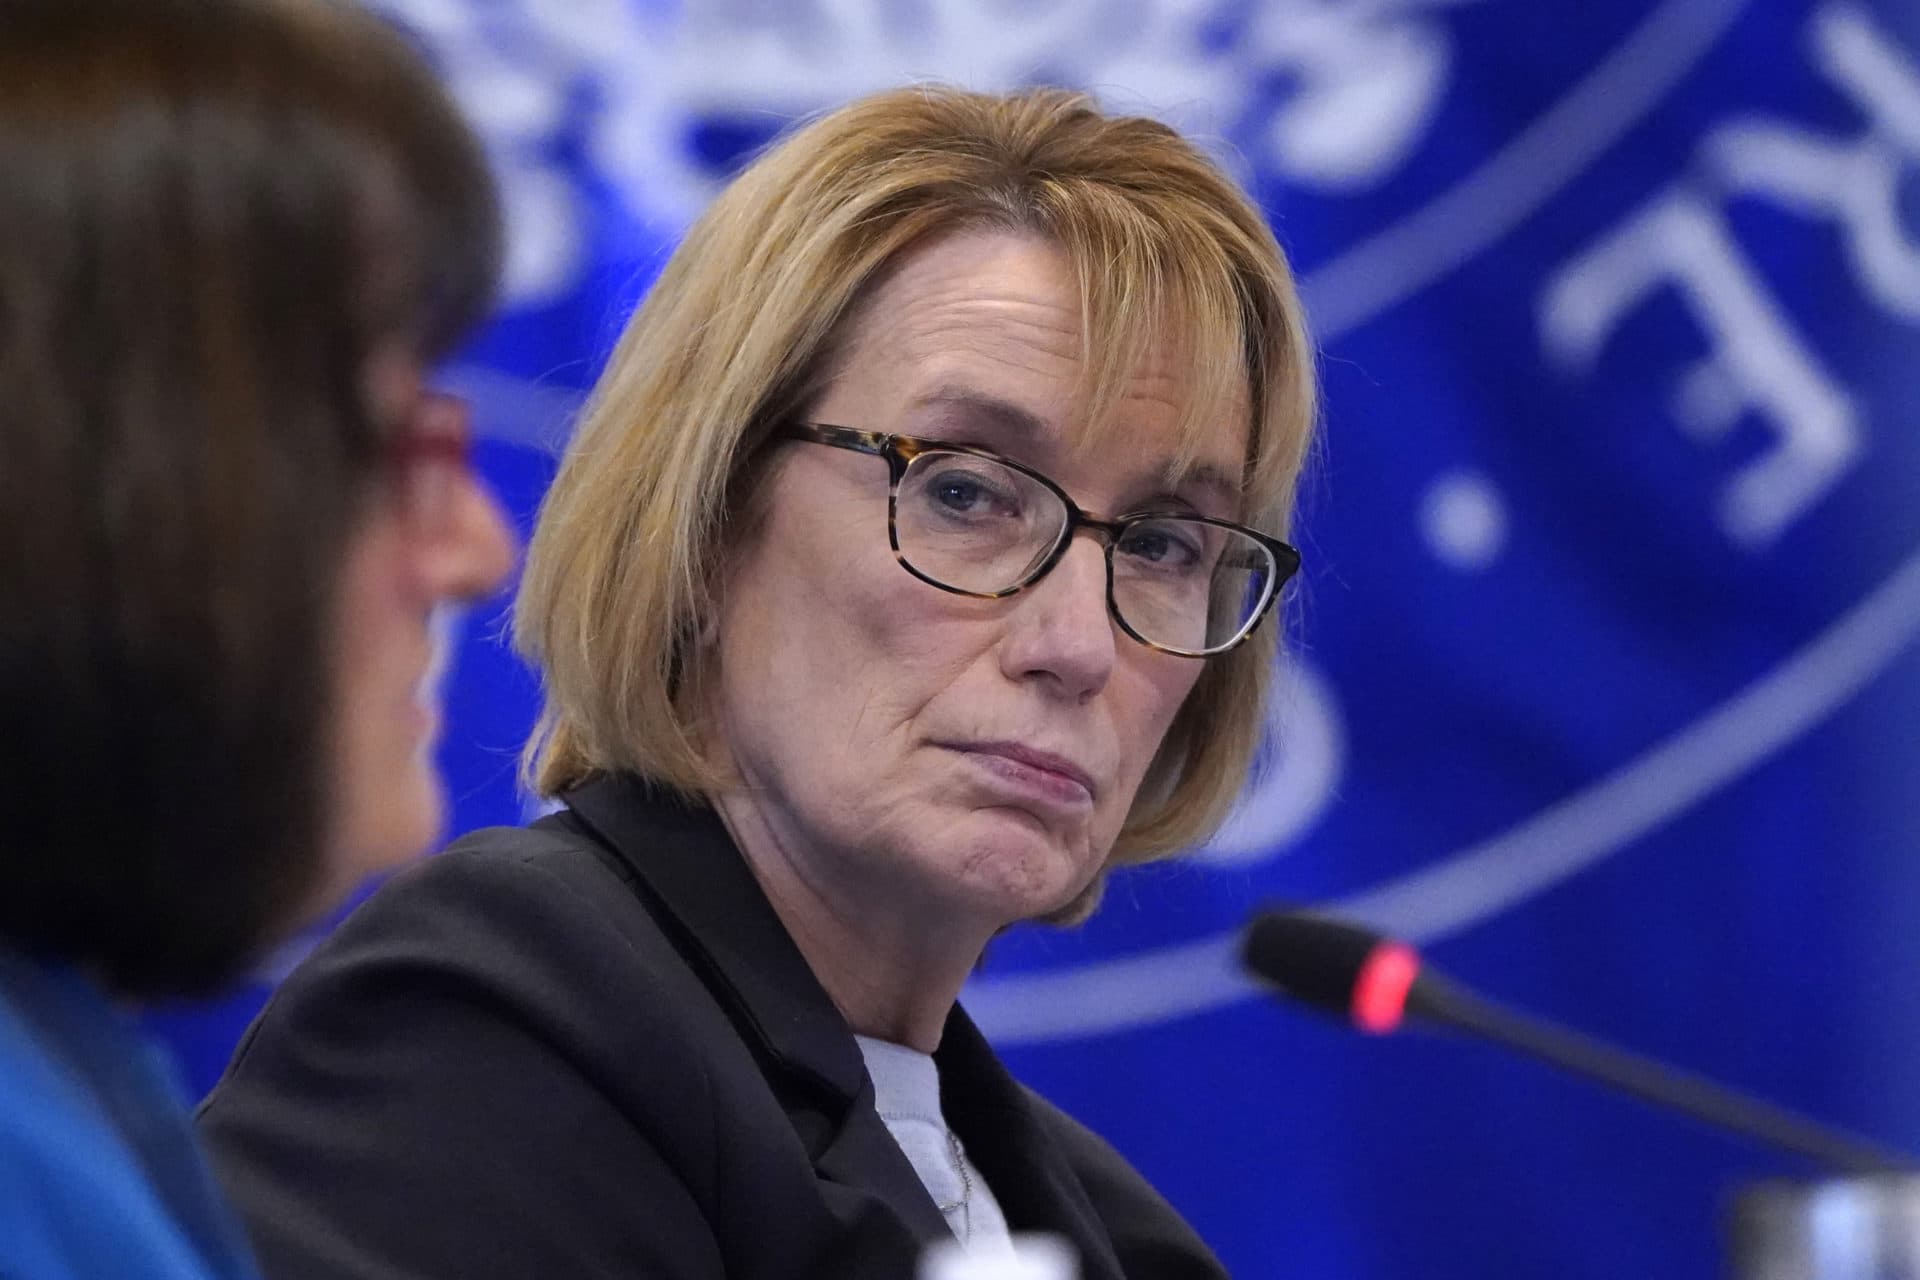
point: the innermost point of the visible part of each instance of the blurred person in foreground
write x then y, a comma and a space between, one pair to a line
232, 237
913, 566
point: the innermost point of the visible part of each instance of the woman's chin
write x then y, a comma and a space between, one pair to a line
1018, 869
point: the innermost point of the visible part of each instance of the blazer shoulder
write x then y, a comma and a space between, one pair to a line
535, 925
543, 887
550, 850
501, 1034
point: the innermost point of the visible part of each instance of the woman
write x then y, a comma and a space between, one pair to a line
232, 237
907, 572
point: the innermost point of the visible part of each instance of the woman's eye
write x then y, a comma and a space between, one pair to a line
961, 492
1161, 548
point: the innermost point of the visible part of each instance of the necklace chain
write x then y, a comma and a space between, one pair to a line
965, 1202
966, 1179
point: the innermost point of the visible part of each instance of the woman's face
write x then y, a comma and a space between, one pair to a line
915, 747
432, 537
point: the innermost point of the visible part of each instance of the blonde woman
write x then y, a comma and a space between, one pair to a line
914, 565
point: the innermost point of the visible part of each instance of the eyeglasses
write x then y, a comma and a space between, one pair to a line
431, 459
969, 521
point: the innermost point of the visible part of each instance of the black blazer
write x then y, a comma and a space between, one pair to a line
590, 1049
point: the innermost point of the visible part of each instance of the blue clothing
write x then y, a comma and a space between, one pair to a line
100, 1175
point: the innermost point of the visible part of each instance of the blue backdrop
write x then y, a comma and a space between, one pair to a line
1604, 683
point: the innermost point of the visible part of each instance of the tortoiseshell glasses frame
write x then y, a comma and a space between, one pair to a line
1267, 560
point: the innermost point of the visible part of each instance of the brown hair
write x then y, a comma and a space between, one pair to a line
740, 332
212, 213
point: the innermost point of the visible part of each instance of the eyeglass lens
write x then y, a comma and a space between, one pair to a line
979, 526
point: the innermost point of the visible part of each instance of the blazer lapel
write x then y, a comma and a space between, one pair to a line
699, 888
1036, 1187
866, 1166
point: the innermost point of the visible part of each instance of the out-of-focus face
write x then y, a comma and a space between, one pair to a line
932, 752
431, 538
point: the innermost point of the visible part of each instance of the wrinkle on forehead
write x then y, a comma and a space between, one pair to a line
931, 316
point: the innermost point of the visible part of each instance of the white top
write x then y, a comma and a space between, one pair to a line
1034, 1257
906, 1090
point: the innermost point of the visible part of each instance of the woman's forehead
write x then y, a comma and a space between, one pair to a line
985, 334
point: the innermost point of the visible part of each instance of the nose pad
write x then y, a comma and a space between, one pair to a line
1039, 558
1081, 576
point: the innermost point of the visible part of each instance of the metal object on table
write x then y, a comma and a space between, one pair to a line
1839, 1229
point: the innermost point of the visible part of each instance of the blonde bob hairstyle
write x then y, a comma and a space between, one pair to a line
741, 334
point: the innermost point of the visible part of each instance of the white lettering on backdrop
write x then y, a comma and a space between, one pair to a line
1758, 364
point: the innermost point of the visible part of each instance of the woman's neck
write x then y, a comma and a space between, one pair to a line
894, 969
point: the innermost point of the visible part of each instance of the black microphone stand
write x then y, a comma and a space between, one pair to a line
1450, 1005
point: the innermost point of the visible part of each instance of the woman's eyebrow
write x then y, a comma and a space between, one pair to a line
1207, 481
983, 409
1203, 484
1214, 480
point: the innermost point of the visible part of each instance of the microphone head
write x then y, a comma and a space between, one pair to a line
1332, 965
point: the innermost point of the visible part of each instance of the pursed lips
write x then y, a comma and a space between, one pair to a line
1050, 763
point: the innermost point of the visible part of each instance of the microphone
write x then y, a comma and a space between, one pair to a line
1379, 984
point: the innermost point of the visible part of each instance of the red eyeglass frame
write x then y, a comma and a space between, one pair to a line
431, 456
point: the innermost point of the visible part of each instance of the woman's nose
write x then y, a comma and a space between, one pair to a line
476, 549
1059, 629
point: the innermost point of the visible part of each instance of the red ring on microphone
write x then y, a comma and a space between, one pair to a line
1380, 992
